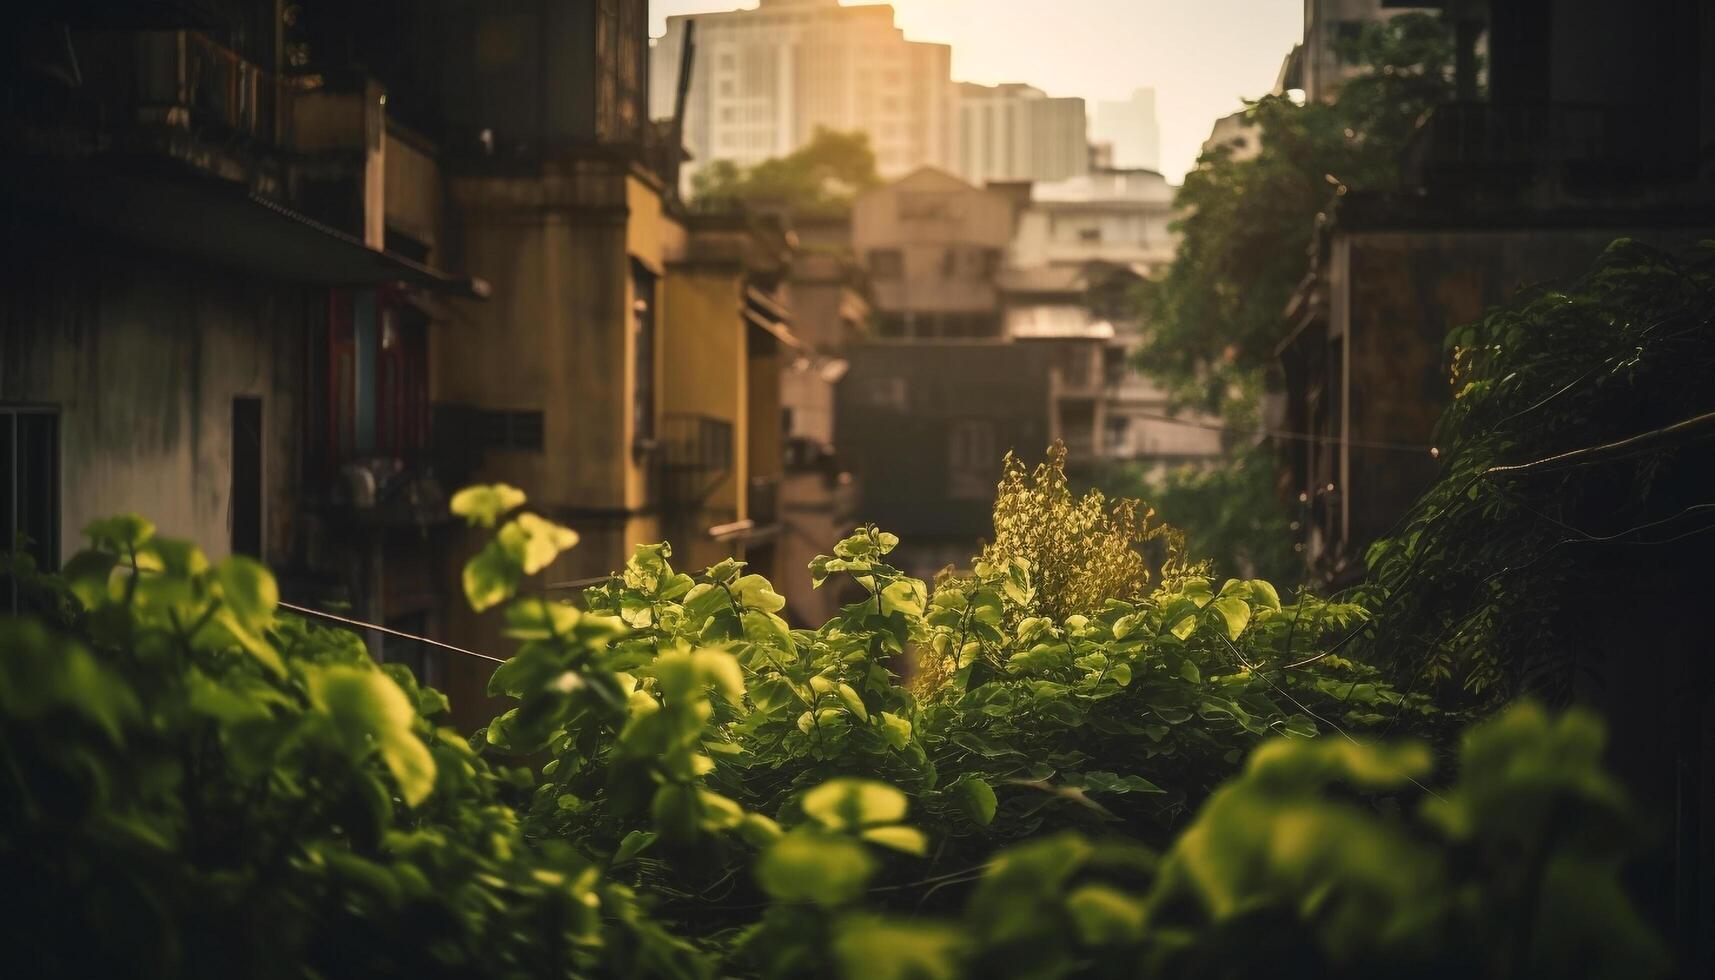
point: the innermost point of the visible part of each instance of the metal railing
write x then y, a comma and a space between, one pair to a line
696, 454
183, 78
1465, 136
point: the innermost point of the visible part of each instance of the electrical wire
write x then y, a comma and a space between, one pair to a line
1398, 447
346, 620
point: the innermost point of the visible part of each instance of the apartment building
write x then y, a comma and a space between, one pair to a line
764, 80
1131, 130
1017, 132
284, 284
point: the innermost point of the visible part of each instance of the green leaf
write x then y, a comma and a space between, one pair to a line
1106, 916
370, 712
121, 532
899, 837
892, 949
719, 669
853, 703
534, 543
249, 590
1235, 614
976, 799
483, 506
755, 592
490, 578
1264, 594
805, 866
904, 596
630, 846
848, 804
1184, 627
896, 730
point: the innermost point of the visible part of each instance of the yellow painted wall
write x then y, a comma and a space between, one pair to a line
704, 363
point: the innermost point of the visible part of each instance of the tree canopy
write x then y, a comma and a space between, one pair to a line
1218, 313
819, 179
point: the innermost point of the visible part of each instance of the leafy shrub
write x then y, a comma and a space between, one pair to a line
212, 788
1486, 584
198, 786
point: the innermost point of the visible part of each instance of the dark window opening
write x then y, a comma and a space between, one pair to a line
244, 508
29, 492
643, 354
886, 263
519, 431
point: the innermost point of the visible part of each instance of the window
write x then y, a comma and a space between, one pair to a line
886, 263
520, 431
368, 394
643, 354
244, 504
1092, 235
1119, 430
920, 206
971, 460
29, 490
888, 393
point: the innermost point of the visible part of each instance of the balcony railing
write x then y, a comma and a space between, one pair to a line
183, 79
696, 455
1473, 137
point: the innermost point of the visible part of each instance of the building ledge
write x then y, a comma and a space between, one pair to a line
222, 222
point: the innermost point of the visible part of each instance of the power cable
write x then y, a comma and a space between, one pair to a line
346, 620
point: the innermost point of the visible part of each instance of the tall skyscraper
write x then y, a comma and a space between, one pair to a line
764, 80
1016, 132
1131, 128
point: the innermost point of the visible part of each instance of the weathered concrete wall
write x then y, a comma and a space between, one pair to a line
142, 355
703, 366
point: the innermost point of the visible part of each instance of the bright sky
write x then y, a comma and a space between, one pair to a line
1201, 56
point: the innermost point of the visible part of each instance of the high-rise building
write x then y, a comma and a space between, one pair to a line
1131, 128
1017, 132
764, 80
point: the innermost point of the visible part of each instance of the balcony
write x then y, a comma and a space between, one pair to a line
696, 456
162, 92
1478, 140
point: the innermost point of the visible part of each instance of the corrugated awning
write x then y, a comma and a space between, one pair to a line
228, 225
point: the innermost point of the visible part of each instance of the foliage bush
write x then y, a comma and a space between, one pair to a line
688, 786
1486, 581
1248, 221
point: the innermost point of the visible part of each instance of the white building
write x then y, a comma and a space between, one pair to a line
1120, 217
1131, 130
1017, 132
764, 80
1080, 249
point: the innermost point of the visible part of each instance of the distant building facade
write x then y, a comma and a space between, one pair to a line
765, 80
1318, 66
932, 247
1081, 248
285, 286
1237, 135
1017, 132
1132, 130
